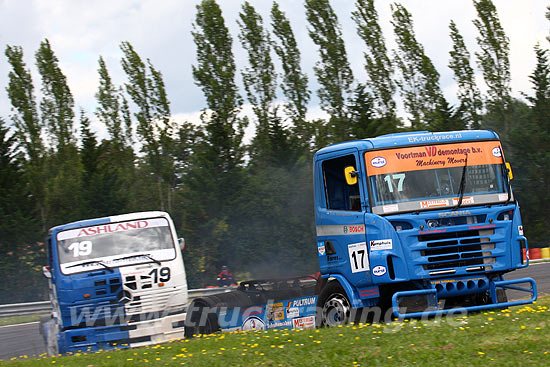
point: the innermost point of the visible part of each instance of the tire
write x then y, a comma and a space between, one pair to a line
333, 306
193, 324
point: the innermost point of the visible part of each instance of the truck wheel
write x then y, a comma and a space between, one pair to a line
333, 306
201, 321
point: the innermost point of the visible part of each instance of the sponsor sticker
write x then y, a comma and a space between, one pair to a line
321, 248
379, 270
340, 230
497, 152
520, 230
378, 162
502, 197
390, 208
253, 323
307, 322
292, 312
434, 203
378, 245
275, 311
465, 201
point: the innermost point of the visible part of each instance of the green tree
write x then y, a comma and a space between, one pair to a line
215, 179
57, 102
109, 106
294, 83
146, 89
377, 63
332, 70
419, 81
19, 228
531, 159
64, 169
471, 105
260, 82
28, 128
493, 60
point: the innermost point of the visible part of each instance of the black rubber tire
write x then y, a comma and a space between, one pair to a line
333, 306
193, 320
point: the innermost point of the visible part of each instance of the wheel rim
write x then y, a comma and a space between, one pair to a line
336, 310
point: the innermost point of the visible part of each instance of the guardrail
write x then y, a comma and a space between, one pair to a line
43, 307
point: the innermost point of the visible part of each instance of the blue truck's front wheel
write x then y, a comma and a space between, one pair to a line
333, 306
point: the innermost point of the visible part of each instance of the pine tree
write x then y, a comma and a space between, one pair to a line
377, 63
471, 105
419, 82
295, 82
494, 62
332, 70
19, 228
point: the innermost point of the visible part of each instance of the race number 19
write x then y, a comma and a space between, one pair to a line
358, 257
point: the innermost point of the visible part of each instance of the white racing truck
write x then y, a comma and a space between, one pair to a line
114, 282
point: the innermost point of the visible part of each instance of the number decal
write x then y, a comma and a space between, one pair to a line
358, 257
83, 248
400, 177
163, 272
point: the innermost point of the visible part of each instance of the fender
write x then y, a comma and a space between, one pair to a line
352, 293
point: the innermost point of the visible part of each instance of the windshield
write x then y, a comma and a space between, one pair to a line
108, 243
428, 177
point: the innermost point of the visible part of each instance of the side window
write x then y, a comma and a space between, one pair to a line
340, 195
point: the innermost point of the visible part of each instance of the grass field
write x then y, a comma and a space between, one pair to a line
518, 336
12, 320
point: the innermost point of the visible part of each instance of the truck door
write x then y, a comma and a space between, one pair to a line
340, 201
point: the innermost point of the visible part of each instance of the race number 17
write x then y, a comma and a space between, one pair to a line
358, 257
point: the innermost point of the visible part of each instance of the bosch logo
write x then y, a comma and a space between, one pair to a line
378, 162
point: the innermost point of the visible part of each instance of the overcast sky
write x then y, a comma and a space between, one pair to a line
80, 31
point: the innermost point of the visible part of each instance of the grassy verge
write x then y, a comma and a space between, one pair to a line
518, 336
18, 319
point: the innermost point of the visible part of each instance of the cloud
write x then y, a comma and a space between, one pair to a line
80, 31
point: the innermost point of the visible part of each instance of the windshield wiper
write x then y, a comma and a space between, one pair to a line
99, 262
462, 185
139, 255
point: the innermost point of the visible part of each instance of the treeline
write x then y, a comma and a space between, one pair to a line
248, 206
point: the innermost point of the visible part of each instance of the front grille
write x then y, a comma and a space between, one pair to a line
444, 252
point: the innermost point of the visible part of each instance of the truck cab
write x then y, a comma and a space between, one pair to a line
115, 282
411, 219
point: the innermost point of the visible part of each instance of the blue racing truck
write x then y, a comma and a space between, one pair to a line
414, 223
115, 282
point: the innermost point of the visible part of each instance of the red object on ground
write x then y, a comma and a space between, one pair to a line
534, 253
524, 251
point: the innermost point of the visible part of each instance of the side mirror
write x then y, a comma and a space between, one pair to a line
181, 242
46, 272
351, 175
509, 169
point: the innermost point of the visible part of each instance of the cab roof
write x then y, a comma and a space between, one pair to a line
411, 139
